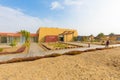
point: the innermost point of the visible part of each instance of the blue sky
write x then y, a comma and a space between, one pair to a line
87, 16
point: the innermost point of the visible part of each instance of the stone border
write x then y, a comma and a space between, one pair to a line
14, 60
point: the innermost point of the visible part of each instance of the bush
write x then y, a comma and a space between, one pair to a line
27, 44
13, 43
75, 39
1, 49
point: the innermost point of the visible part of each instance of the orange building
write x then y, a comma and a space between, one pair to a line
62, 34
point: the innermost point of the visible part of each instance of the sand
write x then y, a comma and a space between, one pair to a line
97, 65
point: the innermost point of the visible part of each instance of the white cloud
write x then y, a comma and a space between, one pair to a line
92, 17
65, 3
56, 5
73, 2
12, 20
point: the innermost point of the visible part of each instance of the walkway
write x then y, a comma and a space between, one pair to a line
35, 50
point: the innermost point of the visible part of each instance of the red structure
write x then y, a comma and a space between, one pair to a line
51, 38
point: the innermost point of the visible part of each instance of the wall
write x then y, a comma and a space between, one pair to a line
43, 31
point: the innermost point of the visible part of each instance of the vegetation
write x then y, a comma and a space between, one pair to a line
91, 38
74, 38
13, 43
101, 36
1, 49
58, 45
26, 34
111, 34
84, 38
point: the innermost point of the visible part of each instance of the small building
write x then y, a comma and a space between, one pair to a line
6, 37
115, 37
56, 34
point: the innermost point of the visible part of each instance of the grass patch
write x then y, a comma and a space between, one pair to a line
1, 49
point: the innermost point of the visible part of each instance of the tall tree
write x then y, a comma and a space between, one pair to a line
91, 37
111, 34
101, 36
112, 37
25, 34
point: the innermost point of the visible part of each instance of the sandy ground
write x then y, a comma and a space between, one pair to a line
12, 49
98, 65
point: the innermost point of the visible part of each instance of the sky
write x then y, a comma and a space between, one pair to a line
86, 16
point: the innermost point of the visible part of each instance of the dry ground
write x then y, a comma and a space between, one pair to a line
97, 65
12, 49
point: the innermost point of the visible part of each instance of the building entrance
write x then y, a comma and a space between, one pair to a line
61, 38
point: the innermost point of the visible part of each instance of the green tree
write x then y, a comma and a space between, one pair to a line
111, 34
26, 34
112, 37
84, 38
91, 38
101, 36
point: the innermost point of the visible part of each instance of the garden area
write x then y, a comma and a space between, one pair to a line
59, 45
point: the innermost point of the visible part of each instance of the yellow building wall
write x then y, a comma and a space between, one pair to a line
43, 31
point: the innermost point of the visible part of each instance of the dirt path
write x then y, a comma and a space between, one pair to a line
35, 50
97, 65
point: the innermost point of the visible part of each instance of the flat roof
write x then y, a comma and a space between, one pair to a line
16, 34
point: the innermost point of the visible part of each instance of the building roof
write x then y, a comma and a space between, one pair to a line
16, 34
67, 32
10, 34
33, 35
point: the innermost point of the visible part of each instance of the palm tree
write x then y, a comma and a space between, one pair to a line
26, 35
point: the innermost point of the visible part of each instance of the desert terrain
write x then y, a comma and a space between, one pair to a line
96, 65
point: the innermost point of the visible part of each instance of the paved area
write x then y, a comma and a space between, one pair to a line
35, 50
83, 44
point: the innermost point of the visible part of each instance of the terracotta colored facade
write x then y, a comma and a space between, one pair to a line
51, 38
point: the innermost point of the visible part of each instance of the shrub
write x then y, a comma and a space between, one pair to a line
75, 39
13, 43
27, 44
1, 49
